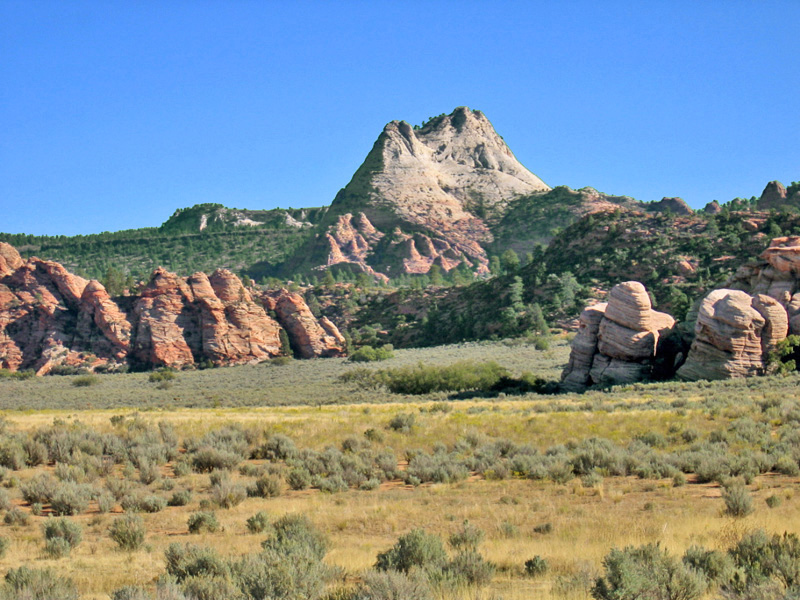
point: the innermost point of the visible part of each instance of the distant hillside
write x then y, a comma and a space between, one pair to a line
200, 238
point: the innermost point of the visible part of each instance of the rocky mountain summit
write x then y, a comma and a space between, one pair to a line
446, 181
50, 317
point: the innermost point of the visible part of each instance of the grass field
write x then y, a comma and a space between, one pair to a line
570, 521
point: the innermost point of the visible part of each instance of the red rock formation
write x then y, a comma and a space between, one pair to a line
309, 337
49, 317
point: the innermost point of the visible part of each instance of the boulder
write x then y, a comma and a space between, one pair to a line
733, 333
675, 206
712, 208
773, 196
617, 342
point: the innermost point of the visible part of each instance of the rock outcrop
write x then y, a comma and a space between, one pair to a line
309, 337
676, 206
49, 317
733, 334
617, 341
773, 196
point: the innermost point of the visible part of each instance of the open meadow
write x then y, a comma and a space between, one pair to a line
565, 478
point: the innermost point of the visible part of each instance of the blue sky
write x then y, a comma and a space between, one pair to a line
114, 114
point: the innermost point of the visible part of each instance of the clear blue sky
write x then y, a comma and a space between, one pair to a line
114, 114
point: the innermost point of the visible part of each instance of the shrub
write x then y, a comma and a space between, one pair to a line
57, 548
39, 489
25, 583
717, 567
773, 501
543, 528
71, 498
161, 375
203, 521
210, 459
5, 544
458, 377
470, 568
278, 447
227, 494
393, 585
647, 572
468, 538
128, 532
738, 501
415, 549
180, 498
259, 522
403, 422
297, 531
370, 354
299, 478
16, 517
184, 562
265, 486
64, 529
181, 468
760, 557
536, 566
85, 381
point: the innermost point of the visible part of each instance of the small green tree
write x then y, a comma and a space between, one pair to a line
509, 261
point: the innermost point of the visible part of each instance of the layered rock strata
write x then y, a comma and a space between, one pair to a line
50, 317
617, 341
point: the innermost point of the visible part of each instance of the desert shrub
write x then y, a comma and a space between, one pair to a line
393, 585
16, 517
299, 478
148, 472
161, 375
227, 494
543, 528
647, 572
128, 532
25, 583
71, 498
277, 447
85, 381
287, 572
186, 561
265, 486
441, 467
738, 501
786, 465
403, 422
370, 354
12, 454
5, 501
5, 544
773, 501
717, 566
370, 484
208, 459
458, 377
469, 568
760, 557
181, 468
105, 502
536, 566
259, 522
204, 521
63, 528
56, 548
467, 538
152, 503
415, 549
180, 498
332, 485
40, 488
297, 531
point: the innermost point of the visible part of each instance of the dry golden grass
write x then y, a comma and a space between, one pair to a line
586, 523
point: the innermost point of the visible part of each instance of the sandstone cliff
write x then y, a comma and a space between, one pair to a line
50, 317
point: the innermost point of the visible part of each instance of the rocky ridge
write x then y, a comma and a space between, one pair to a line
49, 317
